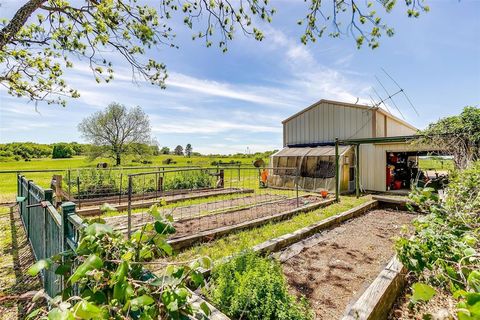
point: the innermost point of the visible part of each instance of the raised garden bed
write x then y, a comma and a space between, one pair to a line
332, 268
192, 211
95, 210
342, 260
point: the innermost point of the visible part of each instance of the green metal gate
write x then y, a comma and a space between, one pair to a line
48, 231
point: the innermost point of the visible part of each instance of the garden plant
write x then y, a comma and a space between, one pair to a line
106, 276
444, 251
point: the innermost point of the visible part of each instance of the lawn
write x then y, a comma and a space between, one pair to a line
8, 180
435, 163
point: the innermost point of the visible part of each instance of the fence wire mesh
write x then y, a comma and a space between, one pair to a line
201, 199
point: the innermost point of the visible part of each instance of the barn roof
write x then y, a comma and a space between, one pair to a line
346, 104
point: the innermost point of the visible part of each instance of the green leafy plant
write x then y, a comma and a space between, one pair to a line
252, 287
188, 180
444, 251
105, 276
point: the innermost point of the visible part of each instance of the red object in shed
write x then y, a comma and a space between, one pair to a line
397, 184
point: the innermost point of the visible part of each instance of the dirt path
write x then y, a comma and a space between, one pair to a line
15, 259
184, 212
337, 265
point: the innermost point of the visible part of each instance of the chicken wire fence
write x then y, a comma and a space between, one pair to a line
87, 186
201, 199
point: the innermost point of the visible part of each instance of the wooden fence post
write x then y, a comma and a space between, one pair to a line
222, 176
58, 189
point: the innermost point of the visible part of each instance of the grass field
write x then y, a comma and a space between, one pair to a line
436, 164
8, 180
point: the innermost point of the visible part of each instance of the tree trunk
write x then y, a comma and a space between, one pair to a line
119, 159
18, 21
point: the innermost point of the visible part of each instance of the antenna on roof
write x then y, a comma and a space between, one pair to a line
390, 96
402, 91
382, 101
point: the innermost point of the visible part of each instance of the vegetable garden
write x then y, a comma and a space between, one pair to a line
314, 270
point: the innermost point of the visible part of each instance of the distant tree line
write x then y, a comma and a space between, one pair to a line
30, 150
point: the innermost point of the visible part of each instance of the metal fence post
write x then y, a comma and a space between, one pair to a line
129, 205
357, 171
120, 194
337, 172
296, 186
29, 182
78, 190
68, 208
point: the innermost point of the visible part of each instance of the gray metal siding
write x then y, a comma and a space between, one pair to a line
325, 122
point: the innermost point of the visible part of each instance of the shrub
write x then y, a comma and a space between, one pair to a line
168, 161
188, 180
251, 287
444, 250
62, 150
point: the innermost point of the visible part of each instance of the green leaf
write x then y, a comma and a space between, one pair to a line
93, 262
164, 228
57, 314
107, 207
473, 280
422, 292
98, 229
87, 310
39, 266
204, 307
469, 252
141, 301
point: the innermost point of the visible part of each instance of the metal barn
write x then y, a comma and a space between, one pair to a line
368, 136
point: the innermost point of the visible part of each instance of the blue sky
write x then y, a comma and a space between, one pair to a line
226, 103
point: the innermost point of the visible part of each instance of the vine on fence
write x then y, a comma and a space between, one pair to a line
444, 251
106, 277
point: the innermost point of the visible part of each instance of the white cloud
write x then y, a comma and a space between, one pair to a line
206, 126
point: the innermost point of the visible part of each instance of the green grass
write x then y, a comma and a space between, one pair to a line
8, 180
436, 164
243, 240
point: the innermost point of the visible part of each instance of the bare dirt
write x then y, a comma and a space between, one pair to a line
337, 265
16, 287
441, 306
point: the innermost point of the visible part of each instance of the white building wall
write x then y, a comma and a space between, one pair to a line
395, 128
373, 163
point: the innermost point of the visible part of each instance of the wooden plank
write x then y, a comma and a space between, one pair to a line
216, 314
377, 300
